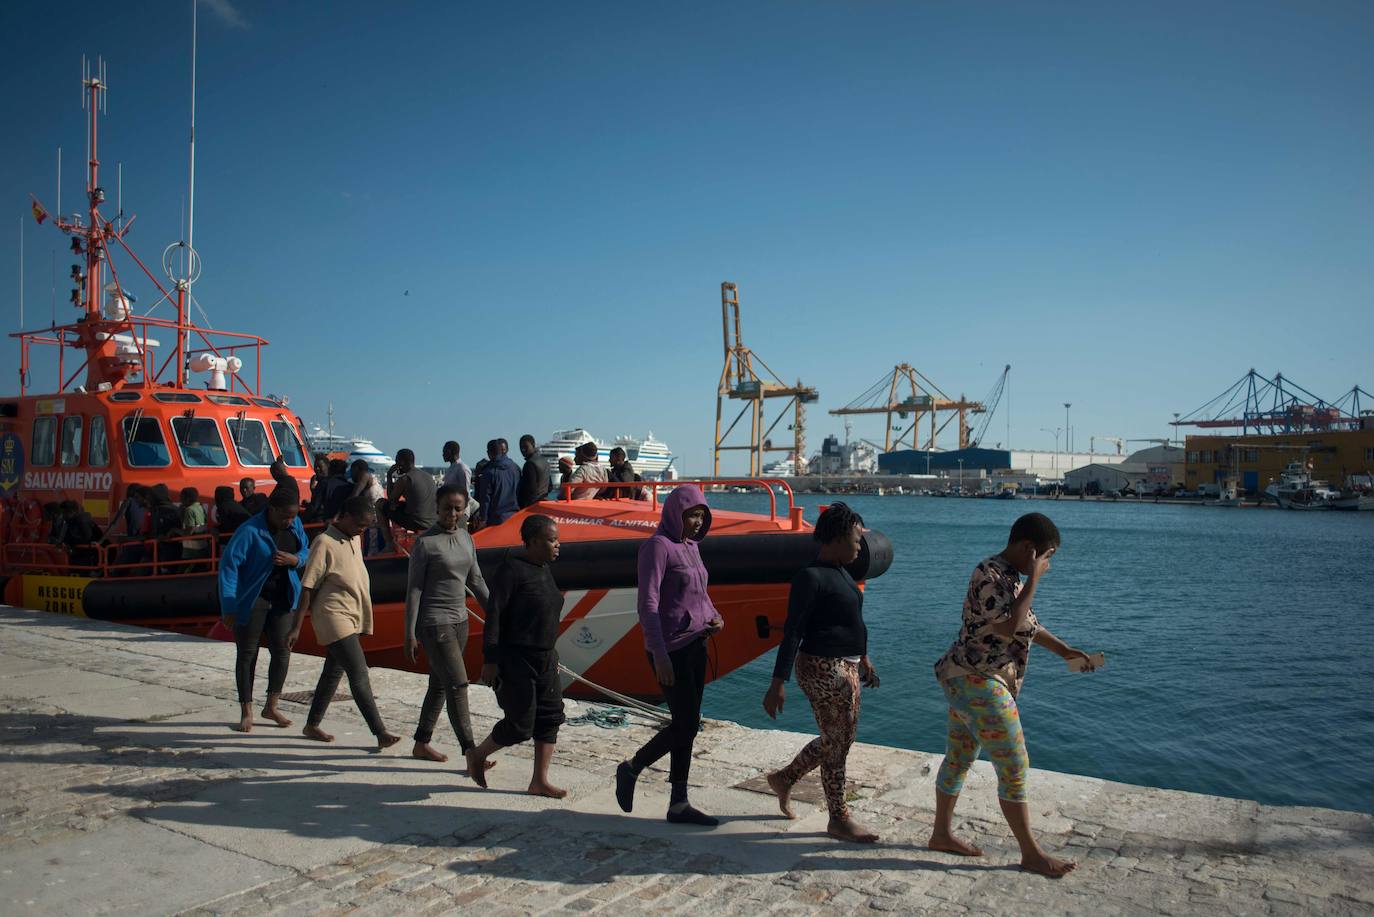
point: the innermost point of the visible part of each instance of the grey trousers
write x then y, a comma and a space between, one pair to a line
448, 682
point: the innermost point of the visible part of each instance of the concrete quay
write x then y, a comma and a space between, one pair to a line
124, 792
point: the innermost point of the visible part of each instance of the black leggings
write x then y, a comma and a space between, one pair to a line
276, 624
684, 703
448, 682
530, 693
346, 657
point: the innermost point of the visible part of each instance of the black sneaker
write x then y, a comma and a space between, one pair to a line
690, 816
625, 777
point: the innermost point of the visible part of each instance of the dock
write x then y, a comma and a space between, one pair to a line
126, 793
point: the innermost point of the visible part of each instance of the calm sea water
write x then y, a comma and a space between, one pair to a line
1238, 643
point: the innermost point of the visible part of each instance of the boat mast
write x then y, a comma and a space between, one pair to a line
189, 272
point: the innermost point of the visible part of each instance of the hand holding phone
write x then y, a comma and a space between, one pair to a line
1087, 663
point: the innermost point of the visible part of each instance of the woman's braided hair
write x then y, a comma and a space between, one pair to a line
836, 522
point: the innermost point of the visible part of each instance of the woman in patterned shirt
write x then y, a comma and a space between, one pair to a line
981, 675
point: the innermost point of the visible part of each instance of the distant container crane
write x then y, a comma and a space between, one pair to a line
1276, 405
740, 381
906, 392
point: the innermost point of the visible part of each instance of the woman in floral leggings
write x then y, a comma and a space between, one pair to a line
981, 675
826, 636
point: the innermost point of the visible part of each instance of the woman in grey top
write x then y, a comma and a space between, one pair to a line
443, 570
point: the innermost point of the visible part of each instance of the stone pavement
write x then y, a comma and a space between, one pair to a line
124, 792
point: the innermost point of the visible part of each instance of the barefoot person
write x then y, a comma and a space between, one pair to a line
520, 661
259, 585
676, 616
982, 673
443, 570
336, 594
826, 635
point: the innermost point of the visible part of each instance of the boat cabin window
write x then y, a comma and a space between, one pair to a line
98, 452
44, 448
265, 403
287, 444
228, 399
71, 439
199, 442
144, 444
250, 441
125, 396
176, 397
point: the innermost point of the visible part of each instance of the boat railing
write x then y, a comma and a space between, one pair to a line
768, 485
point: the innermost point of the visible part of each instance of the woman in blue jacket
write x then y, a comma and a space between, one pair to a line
259, 585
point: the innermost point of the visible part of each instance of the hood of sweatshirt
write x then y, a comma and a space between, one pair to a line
683, 498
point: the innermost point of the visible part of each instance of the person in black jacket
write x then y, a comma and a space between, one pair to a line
826, 636
534, 474
520, 661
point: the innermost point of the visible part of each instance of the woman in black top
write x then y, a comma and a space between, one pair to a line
521, 663
825, 633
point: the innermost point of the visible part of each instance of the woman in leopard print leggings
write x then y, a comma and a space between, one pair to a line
826, 636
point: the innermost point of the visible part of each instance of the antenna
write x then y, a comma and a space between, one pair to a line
59, 177
21, 273
119, 193
191, 194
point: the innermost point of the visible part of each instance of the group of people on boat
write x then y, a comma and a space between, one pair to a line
271, 580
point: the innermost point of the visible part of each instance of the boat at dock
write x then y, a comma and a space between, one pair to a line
199, 418
651, 458
1296, 489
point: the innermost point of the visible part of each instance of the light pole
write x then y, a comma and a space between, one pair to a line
1068, 430
1055, 433
961, 477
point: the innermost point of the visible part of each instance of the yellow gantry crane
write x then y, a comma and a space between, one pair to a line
906, 392
741, 382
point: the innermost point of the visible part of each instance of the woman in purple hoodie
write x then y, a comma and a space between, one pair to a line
677, 616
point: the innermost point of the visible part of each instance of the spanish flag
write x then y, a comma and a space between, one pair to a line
39, 213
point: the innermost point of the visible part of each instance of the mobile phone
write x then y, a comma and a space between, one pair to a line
1097, 660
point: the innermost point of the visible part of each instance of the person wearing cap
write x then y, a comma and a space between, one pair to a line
585, 467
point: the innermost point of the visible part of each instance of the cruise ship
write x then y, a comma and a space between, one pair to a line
652, 459
327, 442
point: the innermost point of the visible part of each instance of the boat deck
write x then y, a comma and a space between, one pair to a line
126, 793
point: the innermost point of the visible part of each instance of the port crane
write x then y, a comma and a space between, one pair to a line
740, 381
993, 399
1115, 440
1277, 405
907, 392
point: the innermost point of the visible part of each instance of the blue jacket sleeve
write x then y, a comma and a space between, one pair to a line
229, 562
304, 553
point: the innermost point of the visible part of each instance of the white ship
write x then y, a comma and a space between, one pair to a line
651, 458
327, 442
1297, 489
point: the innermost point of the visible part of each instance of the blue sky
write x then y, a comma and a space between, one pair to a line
1132, 204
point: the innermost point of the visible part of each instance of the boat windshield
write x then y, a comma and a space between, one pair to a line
287, 444
144, 443
250, 441
199, 442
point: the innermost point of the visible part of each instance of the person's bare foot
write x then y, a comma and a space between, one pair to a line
427, 752
948, 843
783, 790
243, 725
386, 740
1046, 865
477, 768
846, 829
542, 788
276, 716
316, 733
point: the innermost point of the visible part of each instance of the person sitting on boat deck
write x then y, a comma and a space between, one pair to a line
457, 474
981, 674
519, 659
443, 570
336, 594
252, 501
311, 511
826, 637
55, 522
228, 514
365, 484
337, 489
130, 520
534, 474
259, 584
497, 486
621, 472
281, 476
193, 522
587, 469
410, 494
164, 518
676, 616
79, 534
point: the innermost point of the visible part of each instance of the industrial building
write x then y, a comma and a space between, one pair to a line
1049, 466
1257, 459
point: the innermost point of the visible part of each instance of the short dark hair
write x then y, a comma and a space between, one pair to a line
617, 451
360, 507
452, 444
1035, 527
224, 492
357, 466
449, 489
282, 497
338, 466
190, 493
67, 506
534, 526
527, 438
836, 522
242, 481
405, 455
